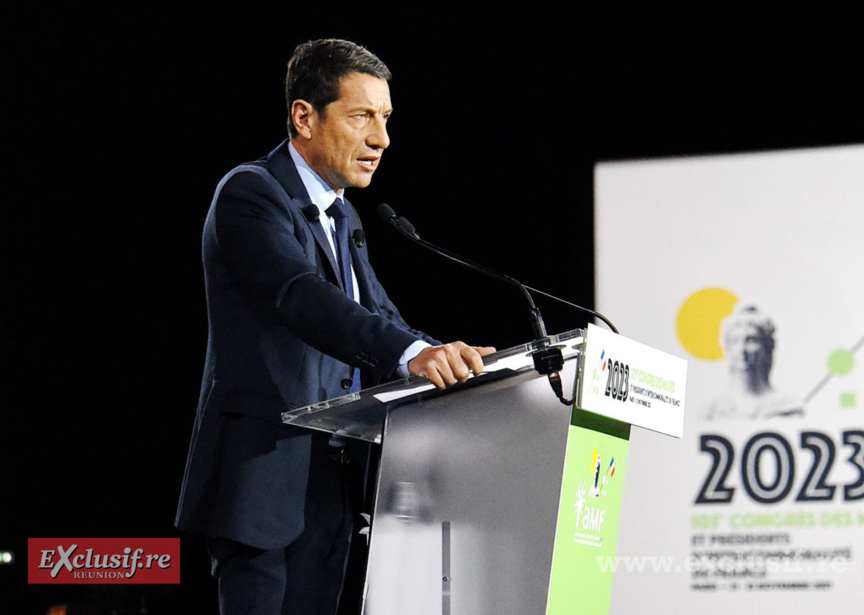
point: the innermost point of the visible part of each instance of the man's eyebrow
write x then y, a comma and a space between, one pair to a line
371, 110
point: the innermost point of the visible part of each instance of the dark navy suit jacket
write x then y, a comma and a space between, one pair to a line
282, 334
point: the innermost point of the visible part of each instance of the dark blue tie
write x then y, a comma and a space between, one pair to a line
343, 256
343, 253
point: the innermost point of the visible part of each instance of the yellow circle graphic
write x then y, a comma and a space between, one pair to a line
698, 322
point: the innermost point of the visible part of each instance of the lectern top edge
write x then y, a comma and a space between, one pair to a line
616, 377
361, 415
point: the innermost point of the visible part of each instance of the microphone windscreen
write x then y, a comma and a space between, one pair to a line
406, 226
311, 212
386, 212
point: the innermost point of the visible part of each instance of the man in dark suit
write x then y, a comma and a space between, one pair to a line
292, 319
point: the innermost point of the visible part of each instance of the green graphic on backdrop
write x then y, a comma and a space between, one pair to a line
587, 532
841, 362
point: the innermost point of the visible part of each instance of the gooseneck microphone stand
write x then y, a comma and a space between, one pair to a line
548, 359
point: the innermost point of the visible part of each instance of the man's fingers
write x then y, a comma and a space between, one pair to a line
457, 360
473, 357
433, 364
433, 377
446, 365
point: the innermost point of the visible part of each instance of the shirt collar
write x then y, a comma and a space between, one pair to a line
321, 194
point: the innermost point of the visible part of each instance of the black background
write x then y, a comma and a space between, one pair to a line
117, 122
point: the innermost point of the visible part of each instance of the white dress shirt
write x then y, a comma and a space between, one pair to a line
323, 197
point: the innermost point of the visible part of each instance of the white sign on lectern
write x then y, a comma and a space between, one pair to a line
633, 383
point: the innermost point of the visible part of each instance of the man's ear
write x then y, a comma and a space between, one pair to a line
302, 115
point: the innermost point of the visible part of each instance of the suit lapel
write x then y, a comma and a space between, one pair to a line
358, 261
324, 248
283, 169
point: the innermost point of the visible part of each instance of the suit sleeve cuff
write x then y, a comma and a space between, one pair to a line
412, 351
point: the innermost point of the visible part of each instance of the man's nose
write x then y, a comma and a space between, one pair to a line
378, 137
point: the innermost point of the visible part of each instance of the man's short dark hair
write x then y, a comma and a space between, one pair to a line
317, 67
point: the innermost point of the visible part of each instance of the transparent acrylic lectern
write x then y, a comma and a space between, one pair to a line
472, 488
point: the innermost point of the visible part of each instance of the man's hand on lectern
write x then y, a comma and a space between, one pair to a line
448, 364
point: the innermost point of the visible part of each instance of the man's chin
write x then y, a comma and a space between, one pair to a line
361, 181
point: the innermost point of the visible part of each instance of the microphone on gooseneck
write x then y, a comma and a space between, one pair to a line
404, 226
407, 229
548, 359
